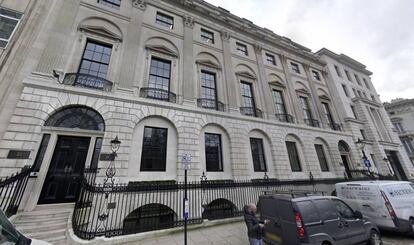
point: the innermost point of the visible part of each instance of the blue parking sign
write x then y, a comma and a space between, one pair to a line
367, 163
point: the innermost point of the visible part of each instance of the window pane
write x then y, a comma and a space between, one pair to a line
111, 3
305, 108
160, 72
258, 155
322, 158
96, 153
280, 103
247, 95
327, 112
293, 156
214, 161
6, 27
241, 49
326, 209
343, 210
164, 20
208, 85
154, 149
308, 212
207, 36
94, 62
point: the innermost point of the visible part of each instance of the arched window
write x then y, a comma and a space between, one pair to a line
80, 117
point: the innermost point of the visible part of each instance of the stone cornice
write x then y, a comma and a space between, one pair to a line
242, 25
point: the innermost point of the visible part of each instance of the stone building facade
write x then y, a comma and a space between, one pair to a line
364, 115
169, 77
401, 112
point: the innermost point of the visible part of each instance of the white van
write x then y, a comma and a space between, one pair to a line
388, 204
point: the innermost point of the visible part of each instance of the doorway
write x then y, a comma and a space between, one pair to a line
346, 166
396, 165
64, 177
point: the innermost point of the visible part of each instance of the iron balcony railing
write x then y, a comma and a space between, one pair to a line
87, 81
210, 104
251, 111
285, 118
12, 190
158, 94
335, 126
313, 123
363, 173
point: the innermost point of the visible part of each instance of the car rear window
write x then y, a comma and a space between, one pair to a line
308, 212
326, 209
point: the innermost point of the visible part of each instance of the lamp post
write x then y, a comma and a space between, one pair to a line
111, 170
361, 145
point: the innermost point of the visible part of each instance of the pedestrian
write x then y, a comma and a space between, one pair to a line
255, 227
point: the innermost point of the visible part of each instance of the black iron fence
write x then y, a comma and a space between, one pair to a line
363, 173
12, 190
87, 81
121, 209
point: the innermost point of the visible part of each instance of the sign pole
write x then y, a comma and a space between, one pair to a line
185, 207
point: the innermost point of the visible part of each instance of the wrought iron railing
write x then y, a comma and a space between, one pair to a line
285, 118
87, 81
363, 173
335, 126
121, 209
251, 111
158, 94
12, 190
210, 104
313, 123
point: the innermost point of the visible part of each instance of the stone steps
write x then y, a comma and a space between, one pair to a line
45, 222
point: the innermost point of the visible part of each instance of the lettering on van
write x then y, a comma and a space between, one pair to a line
400, 192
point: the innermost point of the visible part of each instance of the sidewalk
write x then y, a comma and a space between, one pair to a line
236, 234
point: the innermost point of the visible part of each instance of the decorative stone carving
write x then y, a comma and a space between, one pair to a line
141, 4
225, 35
187, 3
258, 47
189, 21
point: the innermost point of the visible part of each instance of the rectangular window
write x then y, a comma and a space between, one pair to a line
373, 98
373, 161
293, 156
408, 145
337, 71
364, 137
322, 158
345, 90
160, 72
164, 20
328, 114
280, 106
365, 82
247, 94
241, 49
95, 59
214, 158
347, 75
355, 93
307, 115
208, 90
295, 67
258, 155
365, 95
354, 112
357, 79
316, 75
270, 59
111, 3
399, 127
154, 149
9, 20
207, 36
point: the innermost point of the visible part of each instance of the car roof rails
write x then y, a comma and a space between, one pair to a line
296, 193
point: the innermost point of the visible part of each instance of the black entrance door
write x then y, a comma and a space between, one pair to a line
62, 183
346, 165
396, 165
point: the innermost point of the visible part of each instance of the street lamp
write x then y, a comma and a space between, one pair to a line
361, 145
111, 170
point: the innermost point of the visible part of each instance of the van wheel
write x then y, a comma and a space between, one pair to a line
375, 238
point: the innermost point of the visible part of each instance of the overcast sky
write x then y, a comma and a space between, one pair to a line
377, 33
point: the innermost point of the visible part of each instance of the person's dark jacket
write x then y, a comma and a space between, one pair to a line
253, 228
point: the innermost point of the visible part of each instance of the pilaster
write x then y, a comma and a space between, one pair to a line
292, 96
266, 100
229, 73
188, 71
315, 98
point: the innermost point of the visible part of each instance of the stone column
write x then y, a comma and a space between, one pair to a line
131, 46
188, 59
266, 98
291, 93
229, 75
315, 98
56, 54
